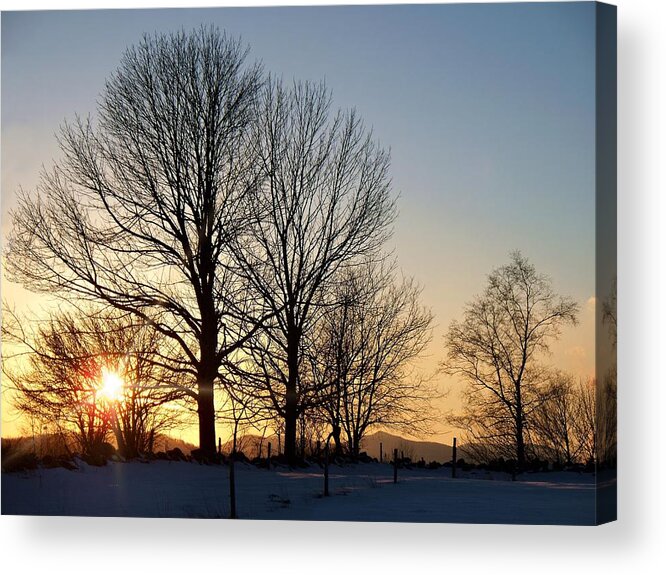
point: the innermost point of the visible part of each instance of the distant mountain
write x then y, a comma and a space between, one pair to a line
53, 444
164, 442
253, 445
428, 450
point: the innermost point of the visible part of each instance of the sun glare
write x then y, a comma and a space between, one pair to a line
112, 385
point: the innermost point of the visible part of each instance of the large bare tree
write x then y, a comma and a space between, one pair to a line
496, 347
325, 201
141, 211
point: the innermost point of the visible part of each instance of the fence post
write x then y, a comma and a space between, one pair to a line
326, 470
219, 446
232, 486
454, 460
395, 466
268, 459
381, 447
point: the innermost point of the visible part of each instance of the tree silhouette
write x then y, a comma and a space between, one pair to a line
324, 201
606, 397
62, 380
365, 344
495, 349
140, 214
564, 423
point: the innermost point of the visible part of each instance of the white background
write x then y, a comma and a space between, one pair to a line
634, 544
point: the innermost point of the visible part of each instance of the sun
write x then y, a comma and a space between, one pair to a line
112, 385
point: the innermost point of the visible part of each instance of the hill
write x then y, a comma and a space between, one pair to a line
53, 444
428, 450
252, 445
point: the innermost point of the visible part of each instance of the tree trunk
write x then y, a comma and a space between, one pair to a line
356, 446
206, 412
520, 445
122, 448
120, 439
290, 419
206, 374
302, 451
567, 449
520, 424
291, 400
336, 439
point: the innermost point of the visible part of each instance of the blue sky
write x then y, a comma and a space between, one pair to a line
488, 111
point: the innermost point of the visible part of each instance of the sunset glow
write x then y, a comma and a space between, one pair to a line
257, 259
112, 385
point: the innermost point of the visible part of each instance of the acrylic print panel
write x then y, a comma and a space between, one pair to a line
323, 263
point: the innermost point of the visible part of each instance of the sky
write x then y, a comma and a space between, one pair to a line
488, 110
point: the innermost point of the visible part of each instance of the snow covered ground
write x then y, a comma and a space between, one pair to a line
363, 492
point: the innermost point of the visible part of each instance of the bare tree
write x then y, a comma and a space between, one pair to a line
241, 410
496, 347
140, 213
609, 314
325, 200
489, 427
586, 422
563, 425
606, 400
367, 342
63, 379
